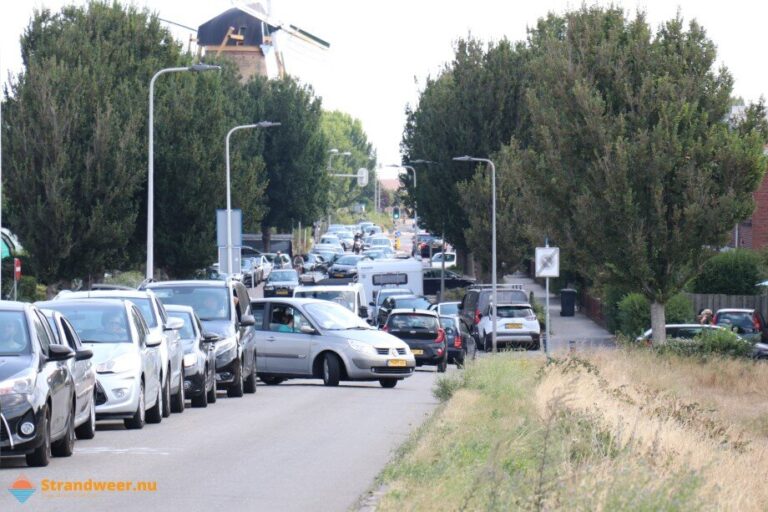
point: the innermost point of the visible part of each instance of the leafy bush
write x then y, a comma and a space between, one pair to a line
634, 315
732, 273
132, 278
612, 295
710, 342
446, 386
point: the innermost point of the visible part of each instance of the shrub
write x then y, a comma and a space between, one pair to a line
710, 342
635, 312
732, 273
612, 295
446, 386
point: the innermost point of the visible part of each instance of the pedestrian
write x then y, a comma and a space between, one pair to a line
706, 317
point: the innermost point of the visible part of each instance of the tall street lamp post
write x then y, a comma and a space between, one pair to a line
260, 124
151, 163
493, 236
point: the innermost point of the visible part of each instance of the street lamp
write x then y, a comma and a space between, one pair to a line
260, 124
151, 163
493, 236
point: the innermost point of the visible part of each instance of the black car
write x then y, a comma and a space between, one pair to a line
452, 280
37, 393
224, 308
346, 266
199, 356
281, 283
460, 344
476, 302
421, 330
400, 302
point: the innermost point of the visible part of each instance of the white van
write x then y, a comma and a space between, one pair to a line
352, 296
373, 275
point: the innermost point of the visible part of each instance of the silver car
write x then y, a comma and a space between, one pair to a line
310, 338
161, 328
83, 374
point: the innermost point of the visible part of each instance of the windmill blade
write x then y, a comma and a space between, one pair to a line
306, 36
258, 11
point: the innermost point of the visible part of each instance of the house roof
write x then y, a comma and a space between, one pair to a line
213, 31
390, 183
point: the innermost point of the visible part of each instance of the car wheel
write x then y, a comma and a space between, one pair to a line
88, 429
200, 400
166, 408
140, 416
271, 381
155, 414
235, 390
66, 445
42, 454
177, 400
212, 393
388, 383
488, 343
249, 386
442, 365
460, 360
331, 370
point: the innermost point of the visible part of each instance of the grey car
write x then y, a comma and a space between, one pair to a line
310, 338
281, 283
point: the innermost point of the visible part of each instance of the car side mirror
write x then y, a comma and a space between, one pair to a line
307, 329
83, 354
210, 337
60, 353
153, 342
174, 324
363, 312
247, 320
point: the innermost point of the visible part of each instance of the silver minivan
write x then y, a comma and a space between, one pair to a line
310, 338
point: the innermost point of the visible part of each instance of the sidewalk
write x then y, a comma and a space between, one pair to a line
583, 332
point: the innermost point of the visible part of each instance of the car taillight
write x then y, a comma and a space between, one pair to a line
457, 341
756, 323
440, 336
714, 320
477, 316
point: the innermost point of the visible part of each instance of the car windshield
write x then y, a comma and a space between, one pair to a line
449, 309
741, 319
283, 275
345, 298
186, 332
411, 321
348, 260
448, 323
14, 336
96, 323
511, 296
144, 305
412, 303
383, 294
514, 311
380, 241
332, 317
209, 302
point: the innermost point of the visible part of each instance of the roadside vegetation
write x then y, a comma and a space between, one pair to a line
629, 429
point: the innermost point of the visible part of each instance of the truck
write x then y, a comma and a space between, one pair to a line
402, 273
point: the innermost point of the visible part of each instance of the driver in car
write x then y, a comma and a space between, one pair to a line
11, 338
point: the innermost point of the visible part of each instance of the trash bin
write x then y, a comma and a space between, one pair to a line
567, 302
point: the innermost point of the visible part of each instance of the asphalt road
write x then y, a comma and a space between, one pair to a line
296, 446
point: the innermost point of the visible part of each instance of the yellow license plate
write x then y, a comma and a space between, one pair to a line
339, 274
396, 362
281, 292
514, 326
417, 352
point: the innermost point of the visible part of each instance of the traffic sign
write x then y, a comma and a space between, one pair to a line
16, 269
362, 177
547, 262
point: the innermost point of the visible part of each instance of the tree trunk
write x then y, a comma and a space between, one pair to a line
266, 237
658, 323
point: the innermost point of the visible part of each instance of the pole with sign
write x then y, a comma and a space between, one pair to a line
547, 265
16, 277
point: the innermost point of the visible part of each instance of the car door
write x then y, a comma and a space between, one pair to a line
150, 356
82, 375
175, 348
261, 331
247, 332
56, 373
287, 348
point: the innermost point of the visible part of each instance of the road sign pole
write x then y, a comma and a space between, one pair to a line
546, 337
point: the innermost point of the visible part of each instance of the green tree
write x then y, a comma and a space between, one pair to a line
74, 131
633, 168
732, 273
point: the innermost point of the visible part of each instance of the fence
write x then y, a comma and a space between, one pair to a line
593, 308
719, 301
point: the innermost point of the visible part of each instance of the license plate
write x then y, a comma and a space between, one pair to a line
417, 352
396, 362
514, 326
281, 292
339, 274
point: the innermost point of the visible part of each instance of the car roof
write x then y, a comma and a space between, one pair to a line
735, 310
330, 287
301, 301
411, 311
10, 305
84, 303
212, 283
178, 308
449, 302
109, 294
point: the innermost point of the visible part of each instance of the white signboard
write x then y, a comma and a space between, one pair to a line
362, 177
547, 262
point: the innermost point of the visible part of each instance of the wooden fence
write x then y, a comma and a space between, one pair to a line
719, 301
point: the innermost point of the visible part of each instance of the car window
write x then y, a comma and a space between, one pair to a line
448, 323
687, 333
144, 305
334, 317
69, 333
257, 310
209, 302
412, 303
449, 309
14, 335
514, 312
43, 332
96, 323
139, 325
186, 332
411, 321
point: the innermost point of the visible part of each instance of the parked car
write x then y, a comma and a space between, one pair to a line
37, 417
516, 324
251, 271
160, 327
278, 261
199, 356
680, 331
350, 295
748, 323
328, 248
281, 283
309, 338
329, 239
450, 260
346, 266
452, 281
421, 330
460, 344
381, 296
476, 301
230, 319
82, 370
446, 308
125, 354
400, 302
346, 238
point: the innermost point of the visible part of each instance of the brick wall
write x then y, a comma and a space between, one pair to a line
759, 230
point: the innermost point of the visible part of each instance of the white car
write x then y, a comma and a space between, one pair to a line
516, 324
331, 240
125, 355
379, 242
450, 260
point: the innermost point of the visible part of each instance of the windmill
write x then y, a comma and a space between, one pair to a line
249, 35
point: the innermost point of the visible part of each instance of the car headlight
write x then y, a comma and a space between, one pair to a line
226, 347
190, 360
365, 348
120, 364
23, 383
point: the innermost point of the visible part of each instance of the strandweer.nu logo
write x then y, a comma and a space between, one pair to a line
22, 489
